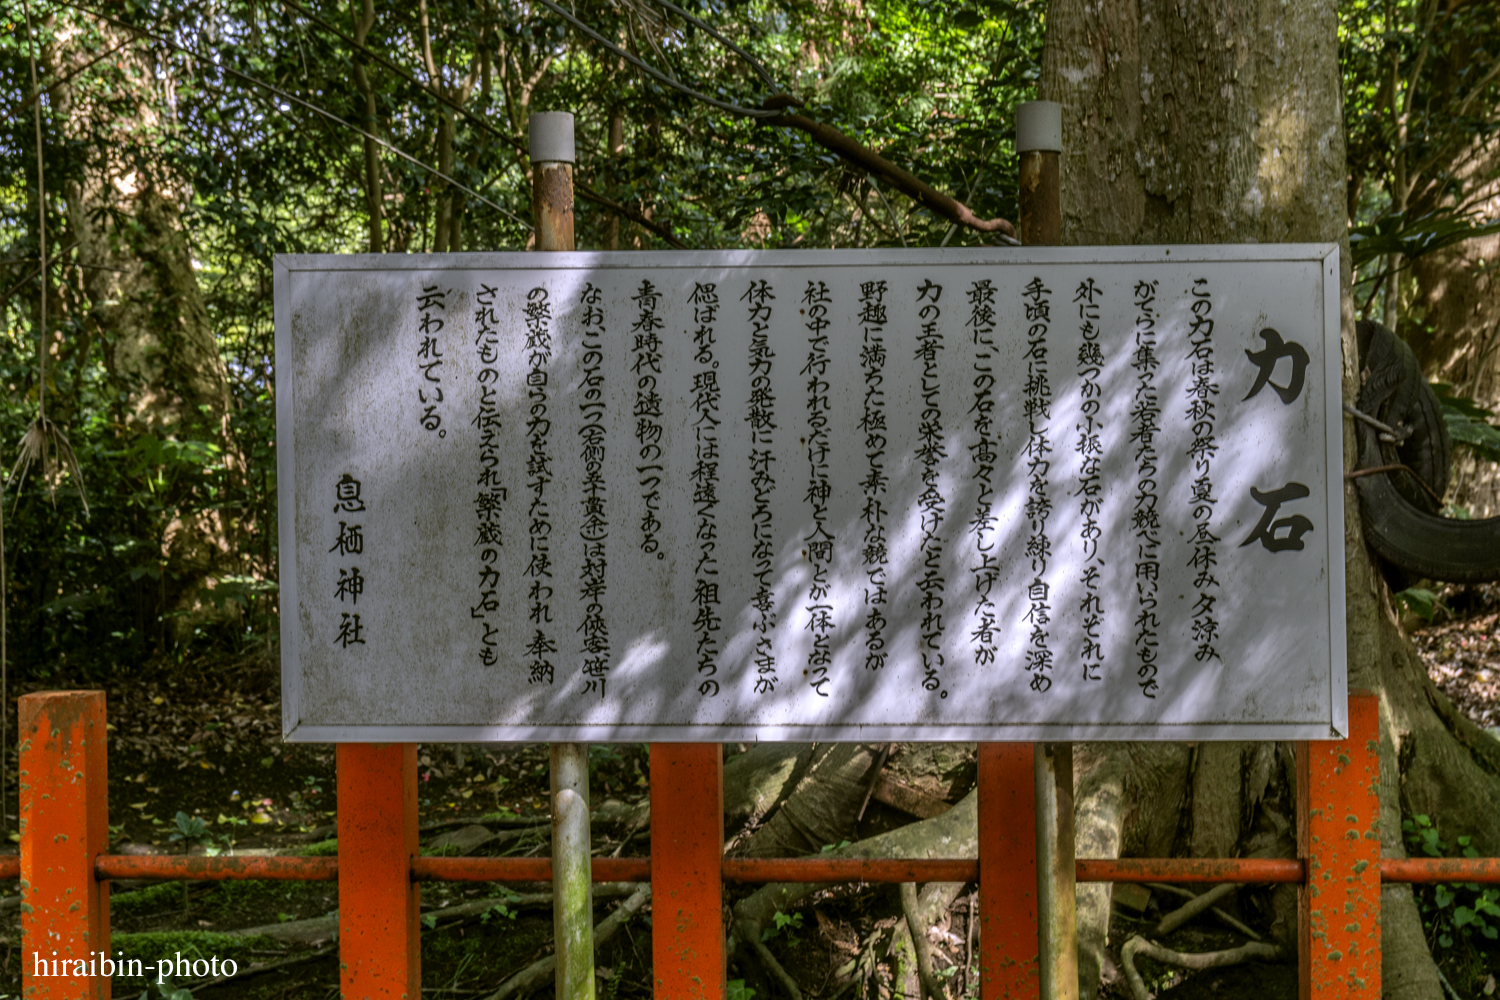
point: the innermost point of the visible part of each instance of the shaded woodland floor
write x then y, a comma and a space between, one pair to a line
197, 764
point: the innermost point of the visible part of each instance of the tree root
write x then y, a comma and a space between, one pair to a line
1138, 945
1197, 904
954, 834
1113, 782
821, 805
934, 899
774, 968
917, 928
535, 975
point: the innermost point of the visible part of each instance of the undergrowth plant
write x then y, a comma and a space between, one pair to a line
1462, 919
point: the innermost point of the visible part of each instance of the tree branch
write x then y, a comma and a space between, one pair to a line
902, 180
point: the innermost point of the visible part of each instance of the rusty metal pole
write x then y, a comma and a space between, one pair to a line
552, 160
64, 828
552, 179
1338, 836
1007, 873
687, 854
380, 946
1039, 143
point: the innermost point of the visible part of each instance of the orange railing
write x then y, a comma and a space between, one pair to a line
63, 866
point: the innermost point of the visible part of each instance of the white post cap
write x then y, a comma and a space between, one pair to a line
551, 134
1039, 126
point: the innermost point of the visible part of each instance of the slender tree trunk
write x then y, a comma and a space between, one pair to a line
374, 201
616, 150
1221, 122
442, 225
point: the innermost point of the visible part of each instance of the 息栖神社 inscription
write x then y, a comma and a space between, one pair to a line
979, 494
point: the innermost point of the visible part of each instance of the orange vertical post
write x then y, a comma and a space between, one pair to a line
1007, 873
687, 846
64, 827
1338, 790
380, 954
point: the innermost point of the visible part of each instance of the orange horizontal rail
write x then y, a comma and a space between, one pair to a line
522, 869
849, 870
222, 868
1189, 870
1440, 870
752, 870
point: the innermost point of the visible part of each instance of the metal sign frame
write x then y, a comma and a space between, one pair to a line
1327, 719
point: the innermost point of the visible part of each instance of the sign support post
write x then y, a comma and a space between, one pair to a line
1007, 873
64, 828
552, 157
379, 904
1039, 143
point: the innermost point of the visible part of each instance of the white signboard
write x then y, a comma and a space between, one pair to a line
853, 495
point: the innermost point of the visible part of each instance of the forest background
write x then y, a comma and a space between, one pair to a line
156, 156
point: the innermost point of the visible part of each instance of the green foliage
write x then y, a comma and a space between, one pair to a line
322, 849
167, 990
929, 84
603, 755
1400, 234
1421, 89
1459, 913
1469, 424
194, 830
737, 990
1421, 602
154, 945
500, 911
786, 927
152, 898
189, 828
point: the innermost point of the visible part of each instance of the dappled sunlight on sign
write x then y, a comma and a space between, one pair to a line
974, 494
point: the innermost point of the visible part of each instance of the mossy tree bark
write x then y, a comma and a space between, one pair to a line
125, 207
1221, 122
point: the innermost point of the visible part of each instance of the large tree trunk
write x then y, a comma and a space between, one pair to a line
1454, 327
125, 211
1221, 122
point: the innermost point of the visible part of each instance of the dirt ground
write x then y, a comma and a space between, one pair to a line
1462, 650
196, 763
